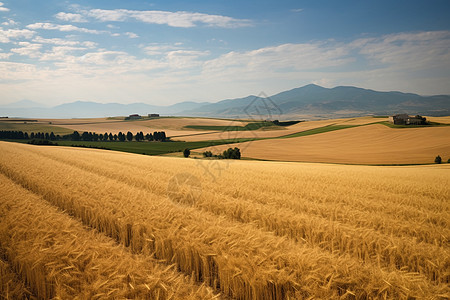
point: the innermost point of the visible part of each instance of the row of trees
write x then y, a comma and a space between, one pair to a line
159, 136
13, 135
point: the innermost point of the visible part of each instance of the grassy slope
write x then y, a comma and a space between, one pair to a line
316, 131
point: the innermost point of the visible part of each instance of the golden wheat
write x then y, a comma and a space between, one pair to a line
397, 251
225, 243
370, 144
59, 258
10, 285
353, 210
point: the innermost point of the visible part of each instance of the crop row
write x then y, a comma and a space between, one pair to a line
364, 243
237, 258
393, 219
57, 257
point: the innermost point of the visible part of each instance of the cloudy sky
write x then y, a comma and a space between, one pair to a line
164, 52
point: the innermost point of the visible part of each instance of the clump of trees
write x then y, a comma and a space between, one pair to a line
186, 152
207, 154
230, 153
423, 120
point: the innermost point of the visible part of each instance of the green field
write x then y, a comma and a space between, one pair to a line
316, 131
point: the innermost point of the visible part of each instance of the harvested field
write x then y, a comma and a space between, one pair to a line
172, 126
371, 144
443, 120
180, 123
360, 121
256, 230
256, 134
116, 127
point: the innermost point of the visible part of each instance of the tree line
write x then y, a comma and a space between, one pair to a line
159, 136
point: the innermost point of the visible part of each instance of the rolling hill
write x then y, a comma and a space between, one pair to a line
369, 144
307, 102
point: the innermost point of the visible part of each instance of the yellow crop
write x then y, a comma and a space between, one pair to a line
256, 230
59, 258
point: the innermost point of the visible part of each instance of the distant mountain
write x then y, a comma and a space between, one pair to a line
85, 109
23, 104
313, 101
310, 101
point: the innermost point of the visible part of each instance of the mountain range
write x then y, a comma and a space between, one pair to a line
307, 102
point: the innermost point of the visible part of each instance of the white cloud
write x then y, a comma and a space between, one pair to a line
10, 22
17, 71
174, 19
3, 8
64, 28
280, 59
297, 10
69, 17
131, 35
158, 49
28, 49
7, 35
55, 41
106, 63
60, 53
64, 42
414, 62
185, 59
408, 51
5, 55
89, 44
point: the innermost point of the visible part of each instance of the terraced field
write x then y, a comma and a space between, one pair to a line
102, 224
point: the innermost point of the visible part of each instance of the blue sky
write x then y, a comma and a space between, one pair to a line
164, 52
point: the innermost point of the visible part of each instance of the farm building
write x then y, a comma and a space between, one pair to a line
404, 119
133, 117
153, 115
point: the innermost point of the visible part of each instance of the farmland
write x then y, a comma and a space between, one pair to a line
368, 144
105, 224
362, 140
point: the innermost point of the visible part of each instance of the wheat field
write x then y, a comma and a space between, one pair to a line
172, 126
97, 224
370, 144
257, 134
